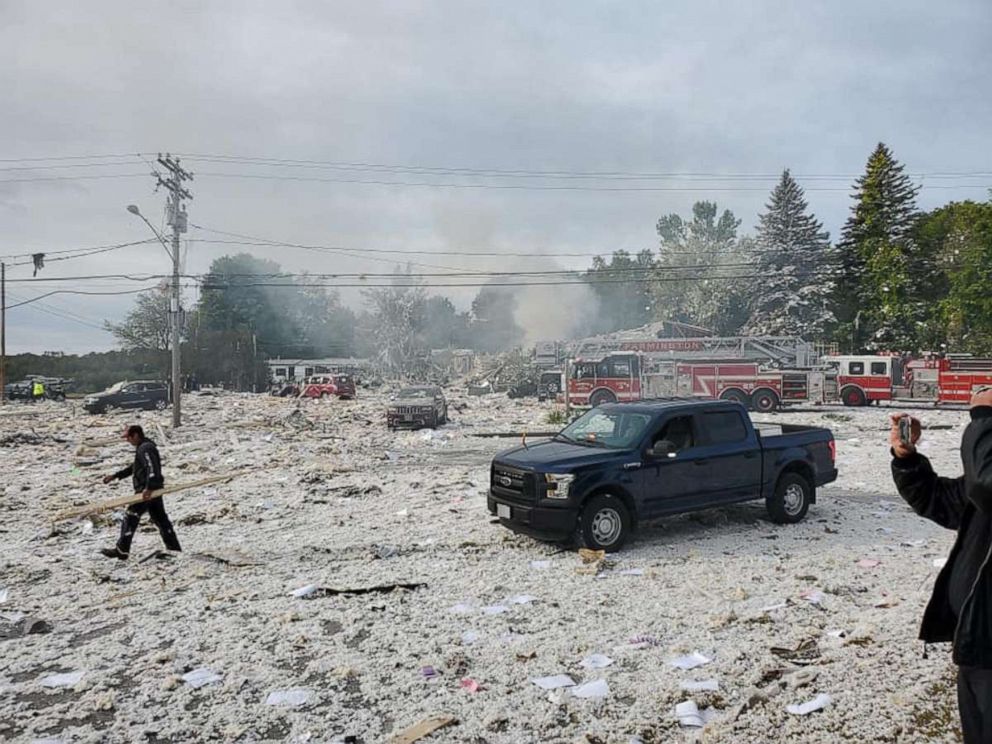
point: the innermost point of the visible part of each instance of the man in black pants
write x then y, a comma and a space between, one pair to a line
146, 475
960, 610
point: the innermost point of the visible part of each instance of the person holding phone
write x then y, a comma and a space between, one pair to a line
960, 609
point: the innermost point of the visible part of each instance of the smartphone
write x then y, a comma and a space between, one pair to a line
906, 430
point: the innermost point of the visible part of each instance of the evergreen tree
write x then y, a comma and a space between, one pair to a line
876, 298
792, 295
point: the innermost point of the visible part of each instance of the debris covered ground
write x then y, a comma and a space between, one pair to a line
279, 621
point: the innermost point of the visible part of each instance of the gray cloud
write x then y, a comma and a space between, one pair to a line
633, 86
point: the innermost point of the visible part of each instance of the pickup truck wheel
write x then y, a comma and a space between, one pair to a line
853, 396
600, 397
764, 401
604, 523
791, 500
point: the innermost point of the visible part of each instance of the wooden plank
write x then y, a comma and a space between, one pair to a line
425, 728
84, 511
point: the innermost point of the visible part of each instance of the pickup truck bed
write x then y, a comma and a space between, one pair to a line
620, 464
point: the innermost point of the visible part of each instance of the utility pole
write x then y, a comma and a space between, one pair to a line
3, 333
173, 183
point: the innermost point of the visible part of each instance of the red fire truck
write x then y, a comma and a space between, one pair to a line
627, 376
862, 380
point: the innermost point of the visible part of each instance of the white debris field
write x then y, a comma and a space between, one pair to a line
349, 585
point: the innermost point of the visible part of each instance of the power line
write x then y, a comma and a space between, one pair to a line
77, 292
84, 251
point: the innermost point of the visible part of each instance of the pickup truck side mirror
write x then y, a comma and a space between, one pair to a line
663, 449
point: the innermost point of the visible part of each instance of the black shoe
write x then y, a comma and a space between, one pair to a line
114, 553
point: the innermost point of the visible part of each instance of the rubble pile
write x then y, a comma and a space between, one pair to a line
350, 585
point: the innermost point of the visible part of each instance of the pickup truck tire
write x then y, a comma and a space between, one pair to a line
604, 523
600, 397
764, 400
853, 396
791, 499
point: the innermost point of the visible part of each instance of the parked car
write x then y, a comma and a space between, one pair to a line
622, 463
24, 390
417, 407
322, 386
147, 394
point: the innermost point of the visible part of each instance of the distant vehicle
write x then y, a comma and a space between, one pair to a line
24, 390
622, 463
550, 387
146, 394
417, 408
323, 386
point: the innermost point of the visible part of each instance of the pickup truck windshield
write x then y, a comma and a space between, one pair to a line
615, 429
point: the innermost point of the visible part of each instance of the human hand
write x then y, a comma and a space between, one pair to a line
146, 494
108, 478
982, 397
899, 447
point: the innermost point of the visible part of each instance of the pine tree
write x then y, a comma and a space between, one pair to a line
874, 297
792, 296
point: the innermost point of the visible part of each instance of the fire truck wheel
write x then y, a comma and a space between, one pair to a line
791, 500
602, 396
737, 396
853, 396
764, 400
604, 523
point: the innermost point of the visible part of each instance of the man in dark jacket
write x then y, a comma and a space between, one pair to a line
146, 476
960, 610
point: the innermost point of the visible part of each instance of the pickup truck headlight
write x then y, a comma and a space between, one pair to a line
558, 485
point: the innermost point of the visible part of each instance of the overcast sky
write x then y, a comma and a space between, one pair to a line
625, 87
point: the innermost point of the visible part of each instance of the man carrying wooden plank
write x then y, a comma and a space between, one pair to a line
146, 475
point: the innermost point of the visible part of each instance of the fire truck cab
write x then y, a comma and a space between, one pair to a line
862, 380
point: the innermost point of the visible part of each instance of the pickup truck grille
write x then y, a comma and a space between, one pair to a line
512, 483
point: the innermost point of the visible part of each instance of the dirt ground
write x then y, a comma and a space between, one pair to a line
783, 613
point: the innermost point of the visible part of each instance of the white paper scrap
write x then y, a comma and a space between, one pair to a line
304, 591
469, 637
200, 677
289, 698
540, 565
3, 595
495, 610
596, 661
631, 572
66, 679
554, 681
690, 661
820, 702
688, 714
521, 599
597, 688
462, 608
779, 606
813, 596
703, 685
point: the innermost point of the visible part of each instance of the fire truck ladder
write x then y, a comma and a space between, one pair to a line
776, 351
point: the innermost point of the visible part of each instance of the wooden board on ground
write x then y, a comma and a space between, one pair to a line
423, 729
85, 511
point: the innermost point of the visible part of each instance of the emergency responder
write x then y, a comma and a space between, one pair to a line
37, 390
146, 476
960, 607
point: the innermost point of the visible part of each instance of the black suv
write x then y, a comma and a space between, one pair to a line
147, 394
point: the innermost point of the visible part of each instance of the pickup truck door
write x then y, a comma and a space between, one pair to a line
732, 453
670, 485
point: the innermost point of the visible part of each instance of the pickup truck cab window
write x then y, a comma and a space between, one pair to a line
724, 427
614, 429
678, 431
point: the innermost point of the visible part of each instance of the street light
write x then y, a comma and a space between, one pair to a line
173, 312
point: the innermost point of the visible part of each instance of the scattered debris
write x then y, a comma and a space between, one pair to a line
201, 677
689, 715
806, 652
868, 563
292, 698
820, 702
422, 729
554, 682
596, 661
65, 679
690, 661
313, 591
597, 688
704, 685
470, 684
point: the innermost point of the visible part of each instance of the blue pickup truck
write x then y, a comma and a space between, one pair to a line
622, 463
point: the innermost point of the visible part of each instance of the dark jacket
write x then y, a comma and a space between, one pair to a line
953, 503
146, 472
